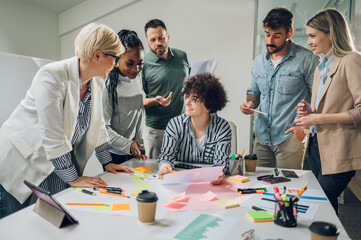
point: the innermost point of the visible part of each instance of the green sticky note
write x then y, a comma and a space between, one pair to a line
142, 185
260, 216
136, 192
103, 208
138, 177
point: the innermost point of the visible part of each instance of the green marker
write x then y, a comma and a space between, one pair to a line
85, 191
233, 157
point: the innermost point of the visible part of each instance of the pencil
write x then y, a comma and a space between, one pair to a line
88, 204
259, 112
300, 192
298, 107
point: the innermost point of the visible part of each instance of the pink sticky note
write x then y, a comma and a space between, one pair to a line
181, 197
208, 196
172, 204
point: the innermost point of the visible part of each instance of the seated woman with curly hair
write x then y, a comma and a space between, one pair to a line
199, 135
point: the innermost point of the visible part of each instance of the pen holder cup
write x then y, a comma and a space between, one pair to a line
285, 213
236, 166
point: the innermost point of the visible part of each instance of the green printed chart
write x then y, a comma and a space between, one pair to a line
196, 225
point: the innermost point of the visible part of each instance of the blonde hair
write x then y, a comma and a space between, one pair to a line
96, 36
331, 21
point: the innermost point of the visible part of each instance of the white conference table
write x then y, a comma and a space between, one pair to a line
26, 224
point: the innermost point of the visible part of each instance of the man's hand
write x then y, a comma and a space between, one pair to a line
298, 131
246, 108
113, 168
164, 101
134, 149
221, 179
88, 182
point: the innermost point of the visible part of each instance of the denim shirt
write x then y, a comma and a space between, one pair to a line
280, 90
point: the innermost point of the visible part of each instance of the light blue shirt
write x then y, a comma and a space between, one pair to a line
323, 68
280, 89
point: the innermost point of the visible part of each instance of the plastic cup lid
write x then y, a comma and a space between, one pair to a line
146, 196
251, 157
324, 229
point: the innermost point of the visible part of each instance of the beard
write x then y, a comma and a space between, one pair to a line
160, 51
276, 48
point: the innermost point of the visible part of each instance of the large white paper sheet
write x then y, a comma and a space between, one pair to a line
206, 66
205, 174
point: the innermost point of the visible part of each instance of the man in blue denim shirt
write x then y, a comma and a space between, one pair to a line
281, 78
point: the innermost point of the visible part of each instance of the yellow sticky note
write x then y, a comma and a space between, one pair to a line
118, 207
103, 208
227, 203
142, 185
239, 178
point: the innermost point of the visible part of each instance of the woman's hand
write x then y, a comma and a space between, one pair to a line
308, 120
303, 108
134, 148
113, 168
88, 182
164, 101
167, 169
221, 179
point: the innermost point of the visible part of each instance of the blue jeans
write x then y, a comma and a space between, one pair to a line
9, 204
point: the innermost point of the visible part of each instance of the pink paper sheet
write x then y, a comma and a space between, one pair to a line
197, 189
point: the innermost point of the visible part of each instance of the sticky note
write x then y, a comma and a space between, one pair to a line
172, 204
239, 178
142, 185
136, 192
138, 177
180, 197
260, 216
118, 207
208, 196
227, 203
143, 169
103, 208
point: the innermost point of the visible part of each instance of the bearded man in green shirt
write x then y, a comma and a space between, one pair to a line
164, 72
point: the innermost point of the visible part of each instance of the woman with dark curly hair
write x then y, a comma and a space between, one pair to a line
198, 135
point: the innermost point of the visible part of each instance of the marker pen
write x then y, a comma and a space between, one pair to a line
86, 191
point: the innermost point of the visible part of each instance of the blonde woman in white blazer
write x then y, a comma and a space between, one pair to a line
47, 140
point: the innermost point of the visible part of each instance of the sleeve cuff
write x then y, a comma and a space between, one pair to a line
67, 175
103, 154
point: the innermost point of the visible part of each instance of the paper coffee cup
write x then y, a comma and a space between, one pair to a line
323, 231
147, 203
250, 162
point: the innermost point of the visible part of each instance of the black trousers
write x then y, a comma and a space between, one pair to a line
332, 184
118, 159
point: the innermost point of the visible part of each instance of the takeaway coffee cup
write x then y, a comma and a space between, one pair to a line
323, 231
147, 202
250, 162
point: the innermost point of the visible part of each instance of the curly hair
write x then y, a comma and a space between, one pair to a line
209, 90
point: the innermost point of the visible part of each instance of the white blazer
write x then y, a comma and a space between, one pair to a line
42, 125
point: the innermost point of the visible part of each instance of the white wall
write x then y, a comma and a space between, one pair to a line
204, 29
356, 26
28, 30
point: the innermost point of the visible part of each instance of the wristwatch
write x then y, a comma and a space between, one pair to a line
305, 130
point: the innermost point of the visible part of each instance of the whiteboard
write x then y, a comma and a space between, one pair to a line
16, 75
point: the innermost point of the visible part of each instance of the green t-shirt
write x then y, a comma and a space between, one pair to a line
160, 77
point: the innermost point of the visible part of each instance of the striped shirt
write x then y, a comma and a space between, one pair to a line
179, 143
65, 170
